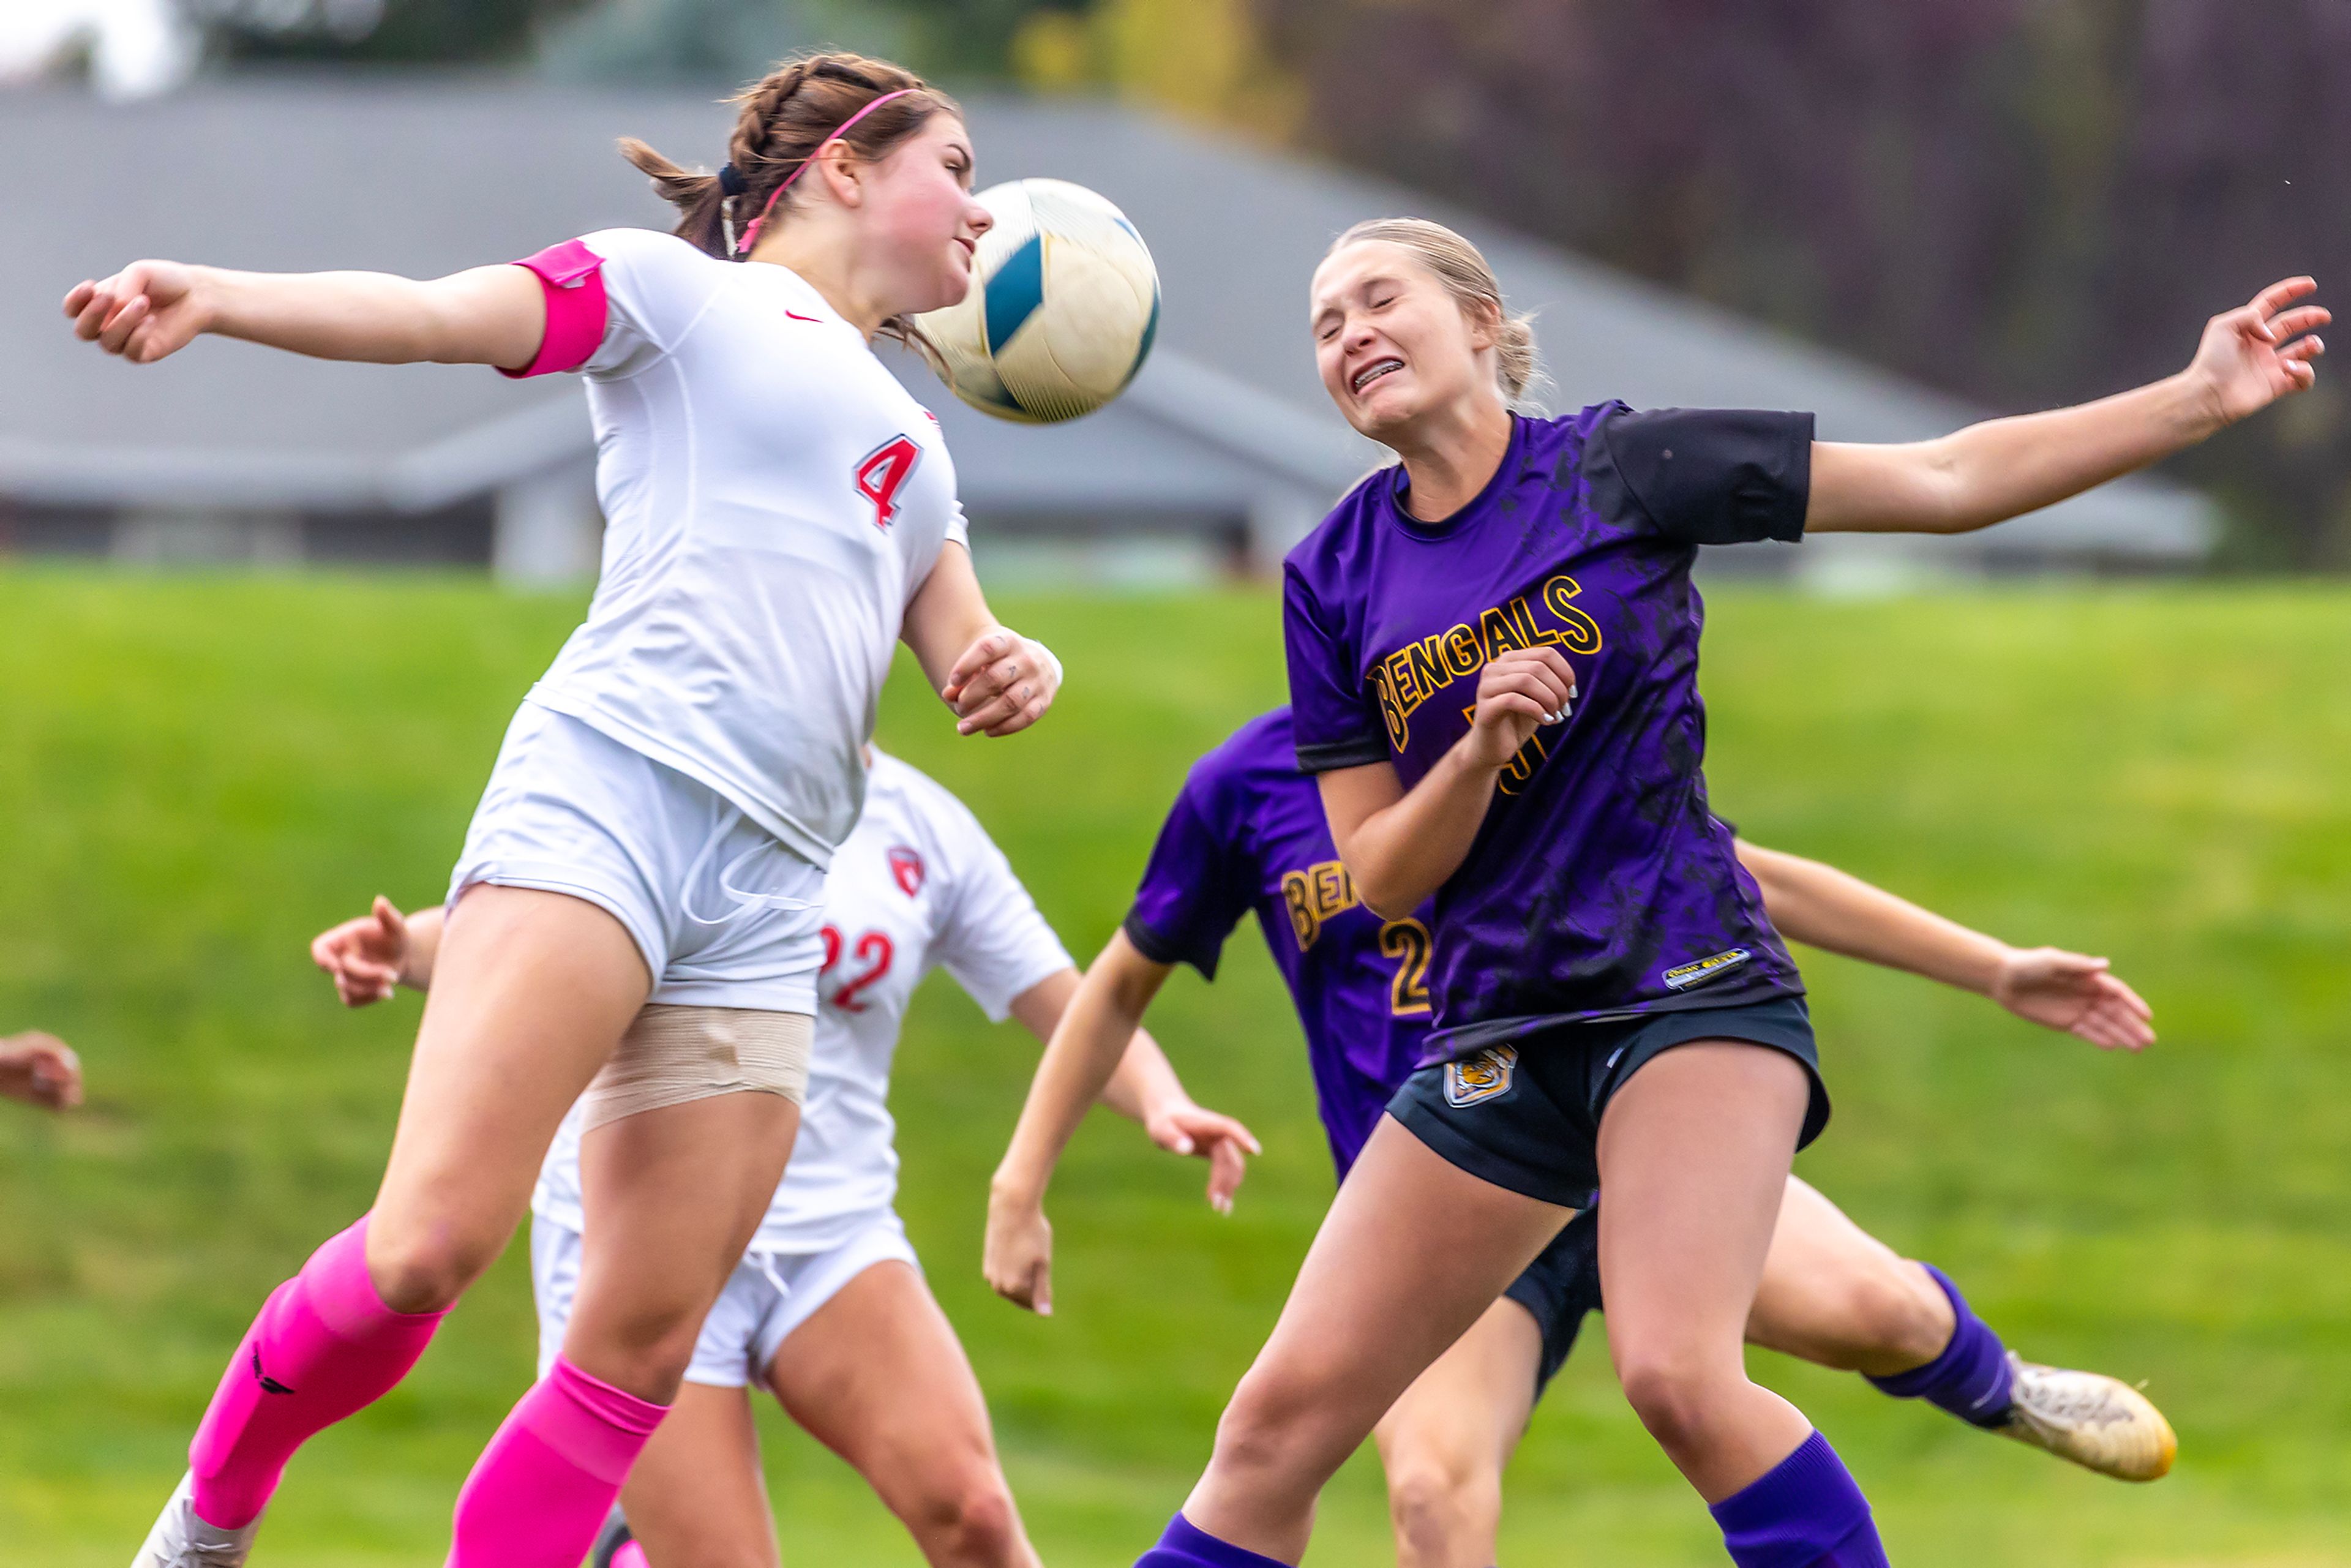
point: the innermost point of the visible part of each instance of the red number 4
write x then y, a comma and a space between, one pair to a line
883, 473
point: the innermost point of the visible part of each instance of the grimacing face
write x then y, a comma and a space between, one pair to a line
1391, 343
918, 210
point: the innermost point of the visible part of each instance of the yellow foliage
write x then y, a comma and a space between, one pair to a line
1202, 59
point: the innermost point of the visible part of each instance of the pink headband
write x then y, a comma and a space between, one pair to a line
751, 230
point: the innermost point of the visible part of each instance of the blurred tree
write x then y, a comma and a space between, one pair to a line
2022, 200
708, 41
1204, 58
385, 32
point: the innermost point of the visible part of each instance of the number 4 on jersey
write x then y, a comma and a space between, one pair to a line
883, 473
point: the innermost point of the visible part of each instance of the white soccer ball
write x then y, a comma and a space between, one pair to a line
1064, 301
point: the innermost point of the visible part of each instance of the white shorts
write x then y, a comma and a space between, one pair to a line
769, 1296
725, 916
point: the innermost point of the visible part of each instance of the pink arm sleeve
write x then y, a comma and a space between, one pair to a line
572, 277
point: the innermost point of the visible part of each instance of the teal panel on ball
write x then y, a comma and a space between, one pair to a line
1015, 291
1150, 331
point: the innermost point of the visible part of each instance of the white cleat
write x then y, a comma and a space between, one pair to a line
181, 1539
2094, 1420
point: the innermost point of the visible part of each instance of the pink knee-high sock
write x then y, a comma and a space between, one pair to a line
540, 1491
324, 1346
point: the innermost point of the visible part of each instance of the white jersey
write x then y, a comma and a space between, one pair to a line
918, 883
773, 498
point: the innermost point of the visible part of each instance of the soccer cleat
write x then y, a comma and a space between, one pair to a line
2094, 1420
181, 1539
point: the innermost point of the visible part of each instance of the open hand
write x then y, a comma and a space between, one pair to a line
147, 310
1002, 685
368, 957
2262, 350
1017, 1260
2074, 993
40, 1069
1518, 692
1223, 1142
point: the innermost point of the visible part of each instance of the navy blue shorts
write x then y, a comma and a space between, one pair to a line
1525, 1116
1559, 1288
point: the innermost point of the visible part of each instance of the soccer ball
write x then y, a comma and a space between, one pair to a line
1063, 303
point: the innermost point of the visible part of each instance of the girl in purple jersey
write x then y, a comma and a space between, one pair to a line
1248, 834
1493, 669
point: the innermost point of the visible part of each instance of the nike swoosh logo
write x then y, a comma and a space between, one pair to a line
269, 1383
798, 317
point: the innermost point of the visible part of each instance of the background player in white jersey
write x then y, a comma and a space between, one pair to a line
637, 900
828, 1309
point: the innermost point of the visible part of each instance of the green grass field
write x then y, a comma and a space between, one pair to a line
196, 774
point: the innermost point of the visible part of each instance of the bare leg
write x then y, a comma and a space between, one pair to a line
696, 1497
672, 1198
530, 995
535, 989
1694, 1156
1835, 1295
1445, 1442
1414, 1251
878, 1376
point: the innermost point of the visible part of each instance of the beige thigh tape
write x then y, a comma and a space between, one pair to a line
673, 1054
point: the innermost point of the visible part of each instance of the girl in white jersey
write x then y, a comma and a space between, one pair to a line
828, 1309
636, 910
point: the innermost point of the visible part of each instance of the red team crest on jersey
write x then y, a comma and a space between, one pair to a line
883, 473
907, 867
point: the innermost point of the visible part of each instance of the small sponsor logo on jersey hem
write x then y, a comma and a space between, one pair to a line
1683, 976
1480, 1077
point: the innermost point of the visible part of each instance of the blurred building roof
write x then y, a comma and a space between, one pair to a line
422, 177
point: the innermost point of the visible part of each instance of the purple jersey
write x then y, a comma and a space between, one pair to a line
1247, 833
1598, 885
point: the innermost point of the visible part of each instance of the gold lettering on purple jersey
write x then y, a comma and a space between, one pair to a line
1314, 896
1461, 654
1409, 676
1501, 633
1578, 632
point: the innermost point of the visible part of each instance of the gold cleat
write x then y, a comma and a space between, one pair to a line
2094, 1420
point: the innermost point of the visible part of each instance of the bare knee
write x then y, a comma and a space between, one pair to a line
425, 1269
1445, 1511
967, 1519
642, 1346
1676, 1394
1274, 1429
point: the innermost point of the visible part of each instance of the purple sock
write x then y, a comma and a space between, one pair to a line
1805, 1512
1187, 1546
1970, 1379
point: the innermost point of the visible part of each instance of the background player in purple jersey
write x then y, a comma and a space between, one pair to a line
1247, 833
1493, 659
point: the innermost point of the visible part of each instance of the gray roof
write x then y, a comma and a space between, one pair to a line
425, 176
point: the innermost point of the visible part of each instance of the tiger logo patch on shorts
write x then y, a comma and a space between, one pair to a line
1480, 1077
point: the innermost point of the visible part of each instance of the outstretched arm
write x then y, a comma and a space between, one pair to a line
1146, 1091
997, 682
1085, 1050
2002, 468
1823, 907
382, 950
485, 316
